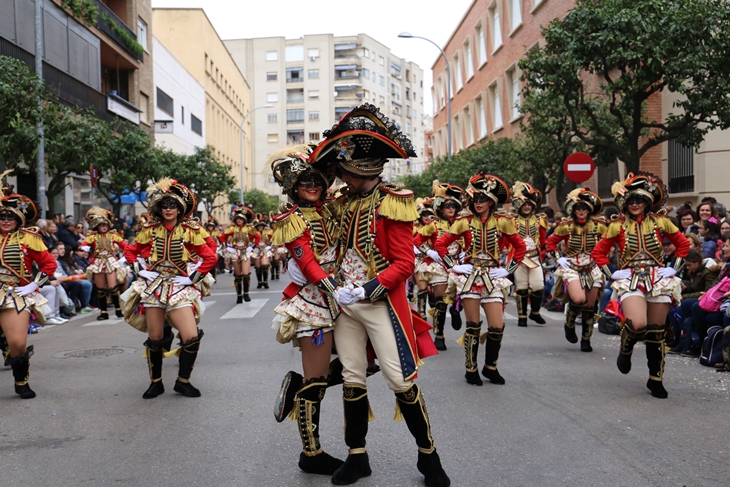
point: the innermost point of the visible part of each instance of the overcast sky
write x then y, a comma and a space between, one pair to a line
382, 20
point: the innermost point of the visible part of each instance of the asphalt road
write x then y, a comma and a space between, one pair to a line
564, 418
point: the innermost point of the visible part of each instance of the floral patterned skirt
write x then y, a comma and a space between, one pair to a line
158, 294
662, 289
106, 264
34, 303
479, 290
434, 273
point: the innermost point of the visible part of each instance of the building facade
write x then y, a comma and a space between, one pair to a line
190, 37
311, 82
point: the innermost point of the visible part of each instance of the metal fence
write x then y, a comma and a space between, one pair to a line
681, 168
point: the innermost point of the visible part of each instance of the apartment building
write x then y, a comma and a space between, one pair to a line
88, 63
311, 82
190, 37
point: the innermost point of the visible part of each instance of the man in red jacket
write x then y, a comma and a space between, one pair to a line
375, 260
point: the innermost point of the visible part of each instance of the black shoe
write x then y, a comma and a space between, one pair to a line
266, 285
356, 466
429, 464
473, 378
521, 321
154, 390
246, 297
65, 315
492, 375
322, 464
455, 318
657, 389
186, 389
102, 316
537, 318
259, 285
119, 313
585, 346
692, 352
25, 391
623, 362
440, 344
239, 300
570, 334
285, 400
68, 311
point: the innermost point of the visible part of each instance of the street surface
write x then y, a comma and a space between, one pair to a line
564, 418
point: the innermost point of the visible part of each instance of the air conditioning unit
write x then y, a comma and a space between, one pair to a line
312, 58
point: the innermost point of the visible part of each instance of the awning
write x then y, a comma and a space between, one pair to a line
344, 67
344, 47
347, 87
395, 66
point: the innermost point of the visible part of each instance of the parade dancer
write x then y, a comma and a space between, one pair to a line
529, 276
307, 314
645, 287
211, 226
106, 271
262, 254
481, 280
165, 290
426, 216
375, 260
240, 239
577, 272
278, 251
20, 299
447, 201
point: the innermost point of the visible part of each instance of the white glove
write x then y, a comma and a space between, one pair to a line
563, 262
122, 260
250, 248
194, 266
268, 247
498, 272
182, 281
416, 250
621, 274
25, 290
85, 248
667, 271
141, 261
347, 296
231, 250
149, 275
434, 255
461, 256
295, 273
463, 269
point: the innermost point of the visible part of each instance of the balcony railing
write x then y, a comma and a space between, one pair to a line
681, 168
105, 26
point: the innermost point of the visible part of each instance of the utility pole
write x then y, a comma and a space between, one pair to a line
40, 155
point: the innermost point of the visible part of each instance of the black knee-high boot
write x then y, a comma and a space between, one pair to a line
277, 269
115, 301
521, 298
154, 351
259, 278
287, 393
265, 275
21, 373
439, 319
101, 295
246, 279
421, 298
238, 284
494, 343
356, 408
188, 354
455, 317
629, 337
313, 459
272, 266
535, 303
570, 316
588, 316
5, 349
471, 348
412, 406
655, 360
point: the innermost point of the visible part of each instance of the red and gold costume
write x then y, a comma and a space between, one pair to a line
240, 238
104, 247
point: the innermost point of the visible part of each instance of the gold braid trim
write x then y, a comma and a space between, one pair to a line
428, 230
614, 229
460, 226
289, 229
506, 225
33, 241
144, 236
196, 236
399, 208
665, 224
542, 221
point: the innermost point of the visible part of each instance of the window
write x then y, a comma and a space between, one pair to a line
313, 73
415, 113
165, 102
273, 138
294, 53
442, 92
182, 114
467, 127
514, 101
295, 96
295, 116
313, 53
468, 60
314, 136
366, 52
142, 33
408, 93
482, 114
272, 97
144, 102
272, 117
196, 125
395, 70
381, 60
496, 107
273, 76
272, 56
294, 137
341, 112
515, 13
481, 41
365, 73
458, 81
496, 28
382, 100
313, 94
381, 80
681, 168
408, 127
294, 75
313, 115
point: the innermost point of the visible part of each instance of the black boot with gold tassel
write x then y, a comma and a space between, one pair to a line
188, 354
259, 278
655, 360
535, 303
471, 349
238, 283
154, 350
265, 275
101, 295
439, 320
588, 316
115, 301
246, 279
421, 302
570, 315
357, 414
491, 349
629, 337
21, 368
313, 459
411, 406
521, 298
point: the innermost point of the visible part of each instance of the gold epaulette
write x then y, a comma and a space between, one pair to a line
152, 222
563, 228
289, 227
196, 235
428, 230
460, 226
145, 235
397, 204
192, 223
506, 223
614, 228
32, 239
664, 223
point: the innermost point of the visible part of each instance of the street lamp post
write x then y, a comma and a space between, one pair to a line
240, 129
408, 35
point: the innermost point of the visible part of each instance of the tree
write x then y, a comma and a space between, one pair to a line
259, 201
606, 58
207, 176
20, 90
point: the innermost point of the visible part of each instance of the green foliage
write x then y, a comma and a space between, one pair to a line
128, 40
206, 175
259, 201
20, 90
85, 10
605, 58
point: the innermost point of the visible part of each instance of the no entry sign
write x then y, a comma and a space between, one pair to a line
579, 167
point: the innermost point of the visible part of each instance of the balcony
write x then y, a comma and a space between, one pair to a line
117, 30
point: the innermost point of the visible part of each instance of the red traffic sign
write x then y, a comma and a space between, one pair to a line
94, 176
579, 167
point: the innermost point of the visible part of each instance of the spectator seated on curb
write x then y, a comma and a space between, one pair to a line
66, 234
77, 288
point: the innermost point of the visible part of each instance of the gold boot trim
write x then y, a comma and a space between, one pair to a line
356, 451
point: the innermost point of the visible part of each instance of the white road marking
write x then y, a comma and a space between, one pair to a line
245, 310
252, 293
104, 322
